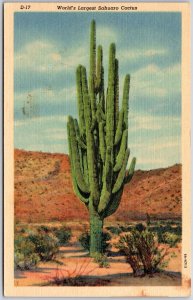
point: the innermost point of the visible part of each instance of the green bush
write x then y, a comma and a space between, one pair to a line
173, 222
63, 234
127, 246
46, 245
171, 239
25, 257
101, 260
84, 240
163, 229
123, 228
43, 229
114, 230
140, 227
142, 251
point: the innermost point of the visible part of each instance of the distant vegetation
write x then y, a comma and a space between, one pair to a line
33, 245
138, 242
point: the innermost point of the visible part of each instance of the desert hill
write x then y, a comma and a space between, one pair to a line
43, 191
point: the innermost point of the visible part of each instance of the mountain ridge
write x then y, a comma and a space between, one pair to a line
43, 191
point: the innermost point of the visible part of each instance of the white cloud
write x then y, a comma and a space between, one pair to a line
27, 122
106, 36
154, 139
153, 81
46, 95
57, 137
47, 57
139, 53
159, 145
152, 122
155, 150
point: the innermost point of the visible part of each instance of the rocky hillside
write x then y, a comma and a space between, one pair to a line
43, 191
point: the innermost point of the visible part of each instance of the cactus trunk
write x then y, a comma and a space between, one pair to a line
96, 230
98, 140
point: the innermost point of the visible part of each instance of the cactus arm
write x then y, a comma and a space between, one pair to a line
110, 124
107, 178
116, 91
116, 198
119, 130
106, 97
91, 157
99, 68
104, 199
121, 175
100, 115
121, 154
100, 78
102, 141
85, 167
113, 203
101, 92
86, 99
94, 124
125, 104
76, 127
130, 173
74, 183
81, 143
107, 182
77, 132
80, 100
76, 158
92, 74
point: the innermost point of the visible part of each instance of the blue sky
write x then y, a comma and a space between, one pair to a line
49, 46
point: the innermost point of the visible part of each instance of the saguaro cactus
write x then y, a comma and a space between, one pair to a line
98, 140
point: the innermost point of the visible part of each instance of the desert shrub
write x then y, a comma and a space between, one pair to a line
140, 227
46, 245
23, 230
142, 251
18, 229
171, 239
114, 230
63, 234
173, 222
161, 230
25, 257
124, 228
101, 260
43, 229
84, 240
177, 230
147, 246
127, 246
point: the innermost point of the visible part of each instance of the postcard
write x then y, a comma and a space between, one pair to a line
97, 149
